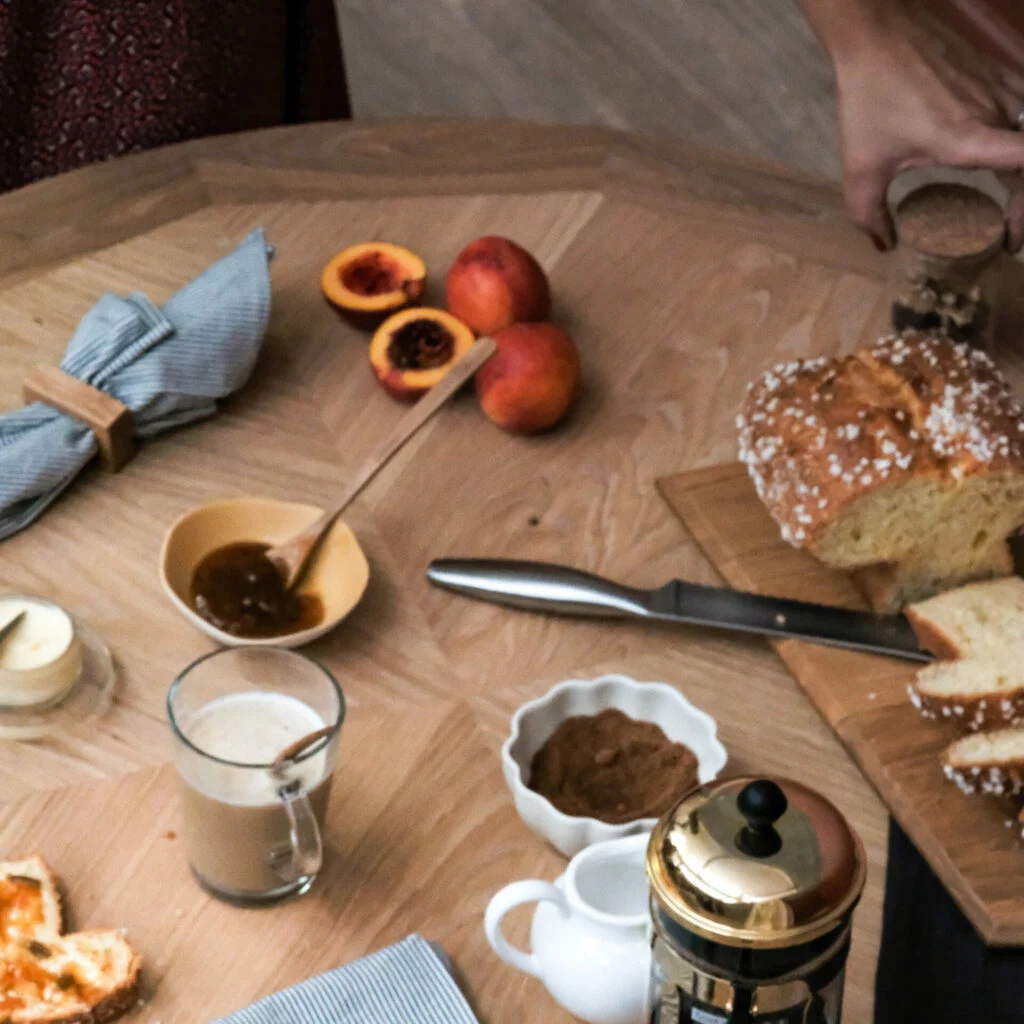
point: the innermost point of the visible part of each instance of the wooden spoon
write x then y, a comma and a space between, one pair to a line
293, 750
293, 557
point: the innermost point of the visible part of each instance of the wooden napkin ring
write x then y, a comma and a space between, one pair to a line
106, 417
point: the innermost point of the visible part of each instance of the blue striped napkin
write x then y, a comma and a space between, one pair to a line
408, 983
168, 365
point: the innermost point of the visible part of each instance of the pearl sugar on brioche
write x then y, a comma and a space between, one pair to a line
905, 460
987, 762
979, 631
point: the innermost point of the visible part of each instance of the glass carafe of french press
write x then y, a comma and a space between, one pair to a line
753, 886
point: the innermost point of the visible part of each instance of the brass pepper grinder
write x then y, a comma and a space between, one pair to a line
948, 270
753, 887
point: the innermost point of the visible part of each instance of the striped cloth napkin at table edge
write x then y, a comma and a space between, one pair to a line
407, 983
169, 365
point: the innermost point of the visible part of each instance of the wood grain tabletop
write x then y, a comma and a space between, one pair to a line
681, 272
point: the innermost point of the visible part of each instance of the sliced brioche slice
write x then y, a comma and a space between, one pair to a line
975, 693
987, 762
891, 586
29, 900
84, 978
974, 620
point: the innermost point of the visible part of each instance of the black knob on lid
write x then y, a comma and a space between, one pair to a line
761, 803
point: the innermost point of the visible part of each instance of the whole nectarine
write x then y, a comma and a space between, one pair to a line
530, 383
493, 283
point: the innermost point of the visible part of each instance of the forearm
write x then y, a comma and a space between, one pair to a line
909, 97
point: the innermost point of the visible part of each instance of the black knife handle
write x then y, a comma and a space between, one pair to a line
786, 618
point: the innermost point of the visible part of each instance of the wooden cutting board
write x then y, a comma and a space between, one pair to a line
972, 843
421, 832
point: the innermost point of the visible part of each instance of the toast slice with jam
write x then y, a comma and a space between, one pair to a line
29, 900
47, 977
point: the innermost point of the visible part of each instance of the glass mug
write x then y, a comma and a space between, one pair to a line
253, 829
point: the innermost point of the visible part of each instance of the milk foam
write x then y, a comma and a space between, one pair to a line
248, 728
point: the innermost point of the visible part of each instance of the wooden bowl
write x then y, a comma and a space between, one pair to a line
338, 576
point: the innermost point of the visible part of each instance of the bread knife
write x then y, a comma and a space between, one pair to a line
538, 586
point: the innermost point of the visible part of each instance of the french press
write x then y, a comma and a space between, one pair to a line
753, 887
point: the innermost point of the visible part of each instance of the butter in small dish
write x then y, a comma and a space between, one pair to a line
41, 659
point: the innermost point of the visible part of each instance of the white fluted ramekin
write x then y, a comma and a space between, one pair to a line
536, 720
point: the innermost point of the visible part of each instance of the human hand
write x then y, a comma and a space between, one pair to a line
909, 97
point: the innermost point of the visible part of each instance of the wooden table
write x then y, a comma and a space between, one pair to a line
681, 273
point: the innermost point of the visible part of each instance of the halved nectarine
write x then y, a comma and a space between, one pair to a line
367, 283
412, 350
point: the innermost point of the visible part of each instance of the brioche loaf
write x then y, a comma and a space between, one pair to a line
905, 461
50, 978
889, 586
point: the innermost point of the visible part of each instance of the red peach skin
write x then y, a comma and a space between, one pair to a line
530, 383
493, 283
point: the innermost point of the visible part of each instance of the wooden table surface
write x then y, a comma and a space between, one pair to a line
681, 273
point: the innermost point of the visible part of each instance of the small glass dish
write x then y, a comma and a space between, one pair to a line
89, 695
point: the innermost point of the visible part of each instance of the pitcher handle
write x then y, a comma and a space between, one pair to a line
306, 845
515, 895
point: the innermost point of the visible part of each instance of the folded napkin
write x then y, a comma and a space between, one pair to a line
169, 366
408, 983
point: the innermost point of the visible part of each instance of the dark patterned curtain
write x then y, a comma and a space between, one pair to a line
86, 80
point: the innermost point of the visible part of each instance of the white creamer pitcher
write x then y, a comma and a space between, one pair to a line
591, 932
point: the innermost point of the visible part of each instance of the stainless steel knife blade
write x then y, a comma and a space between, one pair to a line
539, 586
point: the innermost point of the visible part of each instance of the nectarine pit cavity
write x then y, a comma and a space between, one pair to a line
372, 275
420, 345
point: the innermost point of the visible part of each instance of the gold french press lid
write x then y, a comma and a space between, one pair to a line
755, 863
